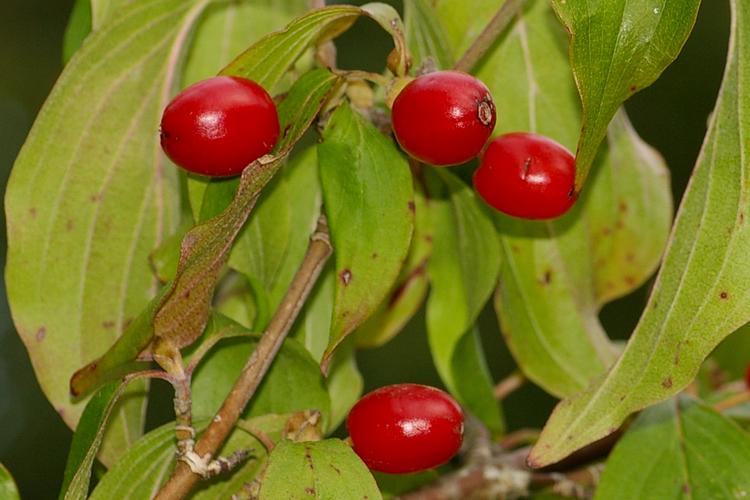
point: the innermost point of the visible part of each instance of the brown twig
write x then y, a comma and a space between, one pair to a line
521, 437
183, 479
489, 34
509, 384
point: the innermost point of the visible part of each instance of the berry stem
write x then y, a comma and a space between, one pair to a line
508, 385
732, 401
489, 34
183, 479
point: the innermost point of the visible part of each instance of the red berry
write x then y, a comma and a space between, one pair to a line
219, 126
405, 428
527, 175
443, 118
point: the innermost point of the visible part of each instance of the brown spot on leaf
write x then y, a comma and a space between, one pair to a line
412, 206
632, 88
607, 231
186, 294
346, 276
622, 206
69, 225
724, 295
547, 277
95, 198
667, 383
336, 469
374, 255
630, 257
32, 212
40, 334
286, 130
515, 249
686, 489
630, 280
308, 457
108, 324
310, 491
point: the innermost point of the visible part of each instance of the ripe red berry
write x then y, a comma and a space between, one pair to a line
405, 428
527, 175
219, 126
443, 118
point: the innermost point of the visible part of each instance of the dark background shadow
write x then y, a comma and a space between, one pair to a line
671, 115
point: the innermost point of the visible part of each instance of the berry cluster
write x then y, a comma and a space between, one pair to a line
219, 126
445, 118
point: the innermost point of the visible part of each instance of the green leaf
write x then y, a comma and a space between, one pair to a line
474, 384
314, 321
179, 313
683, 449
272, 56
425, 35
556, 275
344, 383
410, 289
294, 382
79, 26
463, 268
368, 196
148, 464
700, 295
319, 470
90, 189
463, 21
733, 354
272, 244
8, 488
395, 485
87, 440
616, 49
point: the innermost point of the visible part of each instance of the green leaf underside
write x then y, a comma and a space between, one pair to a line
294, 382
102, 11
181, 310
463, 272
618, 47
700, 295
149, 462
555, 275
425, 35
87, 440
90, 189
318, 470
368, 196
683, 449
8, 488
